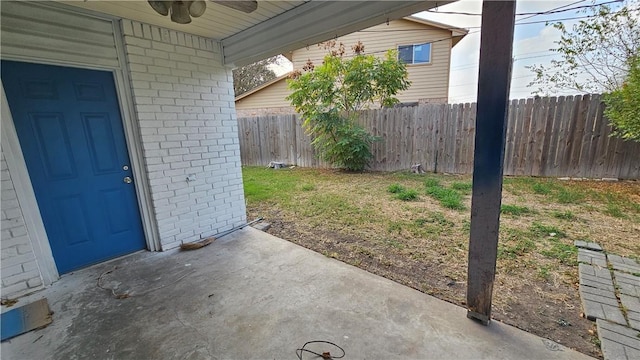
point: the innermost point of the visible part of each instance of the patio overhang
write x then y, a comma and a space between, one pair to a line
276, 27
311, 23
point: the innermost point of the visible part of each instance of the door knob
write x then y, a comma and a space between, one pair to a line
127, 179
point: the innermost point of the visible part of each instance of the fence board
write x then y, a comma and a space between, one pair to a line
564, 136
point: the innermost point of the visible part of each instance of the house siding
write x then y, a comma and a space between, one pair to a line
183, 99
271, 97
20, 272
429, 82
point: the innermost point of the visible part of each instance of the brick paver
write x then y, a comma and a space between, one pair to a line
624, 264
587, 245
617, 341
592, 257
610, 294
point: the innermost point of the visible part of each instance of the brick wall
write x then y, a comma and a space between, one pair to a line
184, 100
20, 272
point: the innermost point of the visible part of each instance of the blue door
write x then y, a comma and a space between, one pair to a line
71, 134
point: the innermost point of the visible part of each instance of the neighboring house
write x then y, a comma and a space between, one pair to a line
118, 126
424, 45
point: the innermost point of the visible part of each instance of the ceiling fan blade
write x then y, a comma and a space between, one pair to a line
240, 5
161, 7
180, 12
197, 8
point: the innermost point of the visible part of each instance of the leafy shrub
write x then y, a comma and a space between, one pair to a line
407, 195
429, 182
395, 188
463, 187
448, 198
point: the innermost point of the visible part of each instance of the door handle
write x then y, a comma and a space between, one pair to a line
127, 180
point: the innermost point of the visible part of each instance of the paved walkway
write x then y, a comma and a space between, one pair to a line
610, 293
250, 295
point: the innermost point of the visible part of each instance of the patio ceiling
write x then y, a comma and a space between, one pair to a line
274, 28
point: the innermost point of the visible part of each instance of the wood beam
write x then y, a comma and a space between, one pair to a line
494, 79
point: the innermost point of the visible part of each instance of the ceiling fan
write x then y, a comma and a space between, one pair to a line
182, 11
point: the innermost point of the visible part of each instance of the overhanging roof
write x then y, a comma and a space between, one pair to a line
276, 27
456, 33
266, 84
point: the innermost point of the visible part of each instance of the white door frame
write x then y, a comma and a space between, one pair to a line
18, 168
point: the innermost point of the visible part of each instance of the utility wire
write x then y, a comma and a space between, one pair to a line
552, 11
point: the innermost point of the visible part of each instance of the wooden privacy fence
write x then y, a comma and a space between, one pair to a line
551, 136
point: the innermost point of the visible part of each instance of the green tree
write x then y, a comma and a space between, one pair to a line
623, 104
248, 77
329, 96
595, 52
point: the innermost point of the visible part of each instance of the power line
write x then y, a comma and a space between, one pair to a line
556, 8
552, 11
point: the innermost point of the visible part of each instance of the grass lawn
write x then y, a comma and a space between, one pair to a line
414, 229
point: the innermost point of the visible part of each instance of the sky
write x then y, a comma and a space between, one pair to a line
532, 43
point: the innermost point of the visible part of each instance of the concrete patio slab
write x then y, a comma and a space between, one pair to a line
250, 295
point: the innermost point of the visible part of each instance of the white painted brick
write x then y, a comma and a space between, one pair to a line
185, 50
166, 116
181, 72
164, 101
158, 70
190, 67
168, 130
13, 290
145, 93
163, 47
185, 102
167, 63
130, 40
12, 270
178, 151
138, 67
135, 50
161, 85
143, 76
185, 74
34, 282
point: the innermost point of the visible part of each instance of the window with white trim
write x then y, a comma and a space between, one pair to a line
415, 54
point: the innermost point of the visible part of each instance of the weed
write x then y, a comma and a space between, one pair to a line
543, 272
541, 230
463, 187
541, 188
466, 226
430, 182
394, 226
440, 219
308, 187
395, 188
511, 251
394, 243
420, 222
564, 215
515, 210
513, 243
407, 195
568, 196
448, 198
567, 254
614, 210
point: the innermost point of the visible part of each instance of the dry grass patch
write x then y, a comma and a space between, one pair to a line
358, 218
